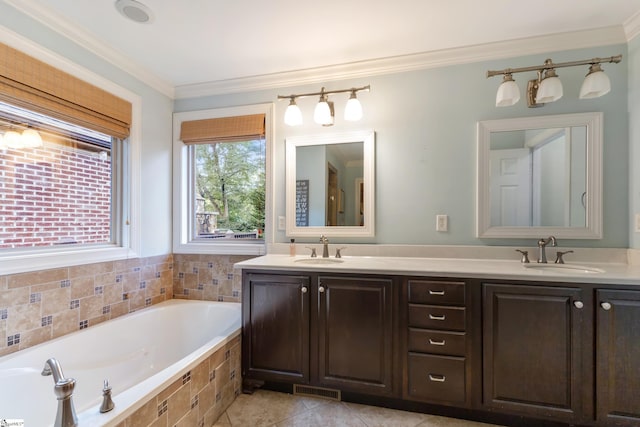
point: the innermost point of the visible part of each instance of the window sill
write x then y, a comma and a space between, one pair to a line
19, 261
221, 248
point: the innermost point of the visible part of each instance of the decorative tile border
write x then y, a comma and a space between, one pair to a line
197, 397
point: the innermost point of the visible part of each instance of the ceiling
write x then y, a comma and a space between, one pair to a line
199, 42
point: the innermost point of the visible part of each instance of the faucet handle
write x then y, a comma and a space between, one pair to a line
338, 254
313, 251
324, 239
559, 254
525, 256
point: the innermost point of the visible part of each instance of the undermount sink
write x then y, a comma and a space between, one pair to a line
563, 268
319, 260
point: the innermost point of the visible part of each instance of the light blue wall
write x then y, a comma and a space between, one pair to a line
634, 138
425, 123
157, 112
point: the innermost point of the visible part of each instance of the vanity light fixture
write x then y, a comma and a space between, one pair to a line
29, 138
324, 113
548, 87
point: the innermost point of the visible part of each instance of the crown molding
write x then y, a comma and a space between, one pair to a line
446, 57
632, 26
381, 66
86, 40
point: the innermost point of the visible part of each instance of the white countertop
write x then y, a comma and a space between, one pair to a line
611, 273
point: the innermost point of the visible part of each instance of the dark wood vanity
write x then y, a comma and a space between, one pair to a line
514, 352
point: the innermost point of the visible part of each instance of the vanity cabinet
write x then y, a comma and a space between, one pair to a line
330, 331
436, 341
617, 314
533, 343
275, 327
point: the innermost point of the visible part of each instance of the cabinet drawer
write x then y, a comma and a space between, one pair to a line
440, 378
437, 342
437, 317
436, 292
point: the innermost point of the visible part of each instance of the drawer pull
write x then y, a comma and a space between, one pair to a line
432, 292
435, 317
433, 342
437, 378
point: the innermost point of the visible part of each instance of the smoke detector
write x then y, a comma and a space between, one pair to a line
135, 11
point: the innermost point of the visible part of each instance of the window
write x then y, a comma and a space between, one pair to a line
222, 165
70, 200
60, 191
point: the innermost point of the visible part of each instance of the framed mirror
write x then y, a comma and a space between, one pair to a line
540, 176
330, 185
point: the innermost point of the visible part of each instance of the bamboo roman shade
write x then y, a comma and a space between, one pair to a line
223, 129
31, 84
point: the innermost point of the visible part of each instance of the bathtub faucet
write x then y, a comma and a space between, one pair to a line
63, 388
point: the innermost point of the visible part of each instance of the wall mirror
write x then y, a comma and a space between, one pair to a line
540, 176
330, 185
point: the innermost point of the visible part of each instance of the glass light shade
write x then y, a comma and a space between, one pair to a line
293, 115
353, 109
31, 138
596, 83
508, 93
550, 89
322, 113
13, 139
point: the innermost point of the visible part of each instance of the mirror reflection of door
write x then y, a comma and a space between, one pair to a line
359, 207
332, 195
510, 187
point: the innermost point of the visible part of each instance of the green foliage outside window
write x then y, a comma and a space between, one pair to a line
230, 183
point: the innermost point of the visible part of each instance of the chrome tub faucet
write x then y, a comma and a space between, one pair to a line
63, 388
542, 244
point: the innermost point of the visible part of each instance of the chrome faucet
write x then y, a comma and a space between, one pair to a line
66, 415
542, 244
325, 247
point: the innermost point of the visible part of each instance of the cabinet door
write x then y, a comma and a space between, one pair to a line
618, 357
531, 350
276, 327
355, 334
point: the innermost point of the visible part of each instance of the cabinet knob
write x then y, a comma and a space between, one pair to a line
436, 317
606, 306
439, 293
304, 289
578, 304
321, 289
434, 342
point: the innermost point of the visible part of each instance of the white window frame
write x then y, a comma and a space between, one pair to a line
13, 261
183, 240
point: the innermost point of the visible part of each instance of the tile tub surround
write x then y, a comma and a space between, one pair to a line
42, 305
199, 397
207, 277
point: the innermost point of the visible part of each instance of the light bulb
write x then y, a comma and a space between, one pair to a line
293, 115
550, 88
31, 138
595, 84
353, 109
322, 112
13, 139
3, 145
508, 93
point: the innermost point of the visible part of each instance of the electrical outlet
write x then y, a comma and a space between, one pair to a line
281, 223
637, 227
442, 223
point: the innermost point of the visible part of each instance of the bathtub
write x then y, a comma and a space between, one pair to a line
140, 354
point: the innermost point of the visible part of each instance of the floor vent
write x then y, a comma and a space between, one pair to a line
325, 393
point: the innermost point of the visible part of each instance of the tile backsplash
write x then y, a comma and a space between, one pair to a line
207, 277
41, 305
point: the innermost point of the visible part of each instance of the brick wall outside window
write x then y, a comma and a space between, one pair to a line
57, 194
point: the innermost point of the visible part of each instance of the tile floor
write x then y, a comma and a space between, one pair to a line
273, 409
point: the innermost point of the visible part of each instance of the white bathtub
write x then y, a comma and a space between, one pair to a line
139, 353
